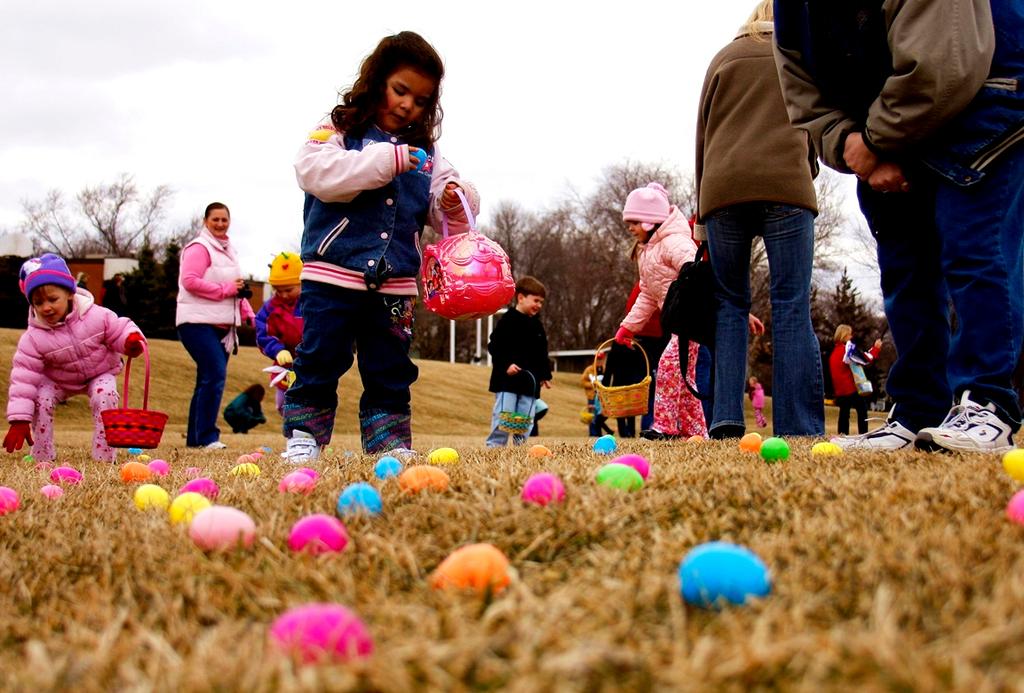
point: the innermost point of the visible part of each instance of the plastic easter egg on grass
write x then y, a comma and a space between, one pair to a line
144, 459
543, 488
751, 442
637, 462
185, 506
311, 473
297, 482
317, 534
825, 450
266, 449
135, 471
245, 459
719, 572
774, 450
696, 439
203, 486
151, 497
220, 528
443, 456
1015, 508
51, 491
423, 477
65, 475
480, 567
1013, 463
320, 633
134, 451
193, 472
29, 458
248, 470
9, 500
387, 467
43, 466
605, 445
359, 499
620, 476
539, 451
159, 467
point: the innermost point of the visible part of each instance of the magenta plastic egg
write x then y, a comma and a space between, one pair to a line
297, 482
543, 488
52, 492
321, 632
202, 486
318, 534
1015, 508
159, 467
220, 528
466, 276
637, 462
9, 500
65, 475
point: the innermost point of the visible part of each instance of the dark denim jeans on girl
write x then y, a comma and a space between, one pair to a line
202, 342
797, 383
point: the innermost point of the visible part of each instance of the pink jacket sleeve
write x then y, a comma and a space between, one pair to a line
670, 255
26, 374
445, 173
116, 329
195, 260
246, 312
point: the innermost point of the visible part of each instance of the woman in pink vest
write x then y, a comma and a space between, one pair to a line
211, 305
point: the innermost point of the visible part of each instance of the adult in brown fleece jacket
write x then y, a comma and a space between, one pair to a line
755, 178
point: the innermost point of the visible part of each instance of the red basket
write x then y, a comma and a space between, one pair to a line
134, 428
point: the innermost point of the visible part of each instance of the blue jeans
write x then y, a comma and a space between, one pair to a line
508, 401
702, 382
202, 342
797, 385
943, 242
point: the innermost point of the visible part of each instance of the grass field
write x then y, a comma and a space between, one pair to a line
890, 572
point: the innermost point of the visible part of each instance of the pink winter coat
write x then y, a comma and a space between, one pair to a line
757, 396
89, 343
660, 259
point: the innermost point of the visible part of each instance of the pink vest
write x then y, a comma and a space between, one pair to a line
223, 268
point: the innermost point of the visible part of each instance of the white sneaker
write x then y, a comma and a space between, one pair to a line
969, 427
215, 445
892, 436
302, 448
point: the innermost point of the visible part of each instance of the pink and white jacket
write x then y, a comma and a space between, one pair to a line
660, 259
206, 284
88, 344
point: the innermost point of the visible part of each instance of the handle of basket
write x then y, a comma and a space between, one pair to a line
127, 378
469, 214
608, 342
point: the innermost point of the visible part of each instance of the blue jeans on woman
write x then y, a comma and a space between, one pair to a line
202, 342
797, 390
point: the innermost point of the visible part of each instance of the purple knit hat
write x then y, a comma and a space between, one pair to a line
648, 204
45, 269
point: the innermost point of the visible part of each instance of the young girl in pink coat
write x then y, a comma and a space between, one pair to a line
664, 243
756, 391
72, 346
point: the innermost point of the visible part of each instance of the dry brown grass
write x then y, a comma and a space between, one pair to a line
890, 572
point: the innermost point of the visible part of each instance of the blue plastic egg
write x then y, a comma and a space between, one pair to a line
605, 445
719, 572
134, 451
359, 499
421, 156
387, 467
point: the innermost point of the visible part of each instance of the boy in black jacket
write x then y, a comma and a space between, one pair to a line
519, 351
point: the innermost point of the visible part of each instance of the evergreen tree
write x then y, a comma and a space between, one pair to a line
169, 289
143, 290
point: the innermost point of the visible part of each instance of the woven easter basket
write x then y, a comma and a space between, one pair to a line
518, 423
134, 428
623, 401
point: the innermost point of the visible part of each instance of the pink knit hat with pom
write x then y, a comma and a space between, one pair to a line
648, 204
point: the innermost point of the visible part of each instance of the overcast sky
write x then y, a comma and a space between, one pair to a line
214, 97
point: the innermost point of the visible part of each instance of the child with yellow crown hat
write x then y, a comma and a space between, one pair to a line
279, 321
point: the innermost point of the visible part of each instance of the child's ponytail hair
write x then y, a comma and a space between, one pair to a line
359, 104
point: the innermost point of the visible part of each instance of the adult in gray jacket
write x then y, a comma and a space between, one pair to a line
754, 178
924, 101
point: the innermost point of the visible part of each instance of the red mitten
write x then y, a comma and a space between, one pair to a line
624, 337
133, 344
19, 432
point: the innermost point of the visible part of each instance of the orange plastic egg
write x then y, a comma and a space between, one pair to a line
540, 451
421, 477
479, 567
751, 442
135, 471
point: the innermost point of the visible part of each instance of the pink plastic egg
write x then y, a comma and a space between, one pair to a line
543, 488
220, 528
311, 473
637, 462
318, 632
65, 475
159, 467
52, 492
193, 472
318, 534
43, 466
9, 500
202, 486
245, 459
297, 482
1015, 508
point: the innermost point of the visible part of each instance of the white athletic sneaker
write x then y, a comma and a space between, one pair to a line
215, 445
302, 449
892, 436
969, 427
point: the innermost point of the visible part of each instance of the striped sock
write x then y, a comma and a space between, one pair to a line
313, 420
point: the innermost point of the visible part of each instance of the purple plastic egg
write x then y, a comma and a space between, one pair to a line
318, 534
637, 462
543, 488
65, 475
319, 632
202, 486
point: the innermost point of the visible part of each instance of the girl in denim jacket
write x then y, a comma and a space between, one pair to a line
373, 177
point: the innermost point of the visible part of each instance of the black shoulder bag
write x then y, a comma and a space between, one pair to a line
690, 309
